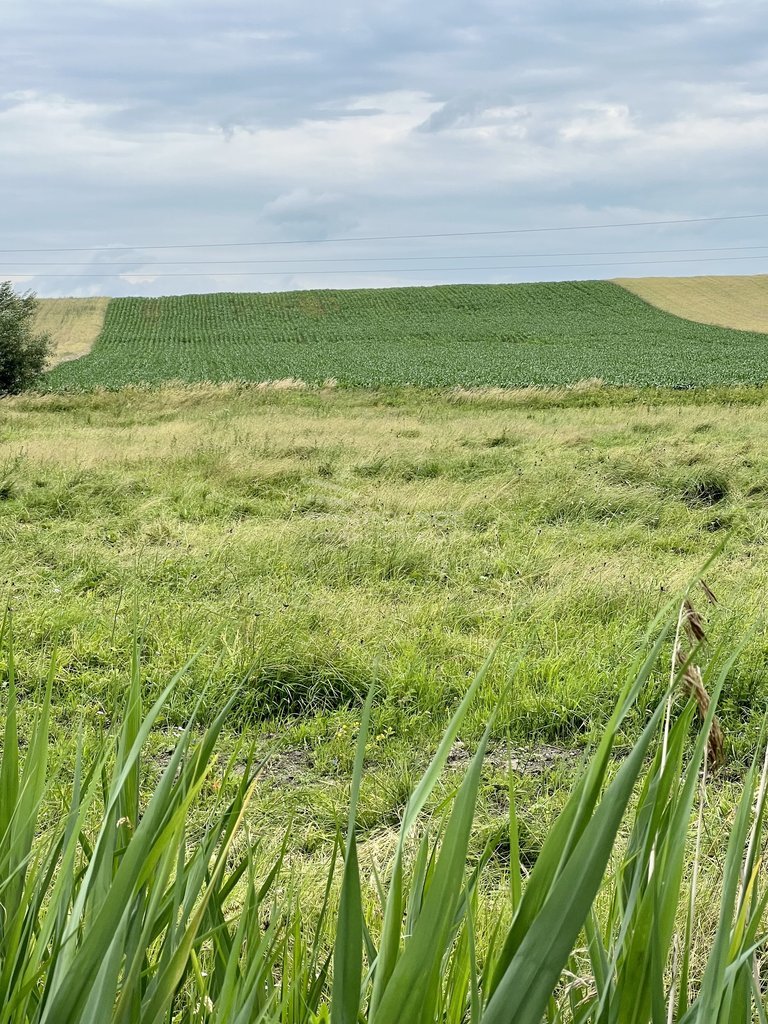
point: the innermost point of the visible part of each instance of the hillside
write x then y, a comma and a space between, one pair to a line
469, 335
74, 324
738, 302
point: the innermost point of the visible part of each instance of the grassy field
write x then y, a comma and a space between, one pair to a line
73, 324
302, 541
740, 302
310, 541
298, 536
471, 335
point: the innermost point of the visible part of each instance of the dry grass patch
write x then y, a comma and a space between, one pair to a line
74, 324
738, 302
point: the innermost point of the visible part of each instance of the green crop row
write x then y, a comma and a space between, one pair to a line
466, 335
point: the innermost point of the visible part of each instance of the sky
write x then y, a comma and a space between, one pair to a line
153, 147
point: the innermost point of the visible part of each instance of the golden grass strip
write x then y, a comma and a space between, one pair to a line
74, 324
739, 302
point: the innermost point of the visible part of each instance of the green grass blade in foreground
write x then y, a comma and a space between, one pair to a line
128, 804
654, 864
348, 946
428, 781
9, 765
522, 992
711, 1003
182, 935
21, 866
515, 867
389, 945
62, 974
411, 992
160, 994
571, 822
653, 852
122, 817
165, 811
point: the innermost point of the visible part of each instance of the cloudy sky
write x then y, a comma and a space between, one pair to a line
135, 134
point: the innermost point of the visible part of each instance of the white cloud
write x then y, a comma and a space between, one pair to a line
600, 122
40, 129
141, 121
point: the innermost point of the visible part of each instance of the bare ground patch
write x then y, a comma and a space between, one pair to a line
291, 767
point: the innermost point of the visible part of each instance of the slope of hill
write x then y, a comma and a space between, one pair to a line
74, 324
738, 302
468, 335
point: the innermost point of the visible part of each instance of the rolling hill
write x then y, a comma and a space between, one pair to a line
447, 336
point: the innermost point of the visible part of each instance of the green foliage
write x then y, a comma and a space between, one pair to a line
23, 351
239, 522
114, 912
463, 335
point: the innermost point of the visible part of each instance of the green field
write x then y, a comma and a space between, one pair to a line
462, 336
303, 544
294, 545
298, 537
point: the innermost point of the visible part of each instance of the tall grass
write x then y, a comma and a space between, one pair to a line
115, 908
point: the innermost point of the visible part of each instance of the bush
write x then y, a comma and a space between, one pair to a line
23, 352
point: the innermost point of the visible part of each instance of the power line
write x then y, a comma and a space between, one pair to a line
397, 270
386, 238
394, 259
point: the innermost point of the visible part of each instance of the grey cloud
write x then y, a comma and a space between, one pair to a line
310, 214
271, 64
224, 119
454, 113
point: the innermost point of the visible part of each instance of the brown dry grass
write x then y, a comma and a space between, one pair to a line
691, 675
74, 324
739, 302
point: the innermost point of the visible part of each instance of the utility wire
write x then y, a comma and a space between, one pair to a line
394, 270
394, 259
383, 238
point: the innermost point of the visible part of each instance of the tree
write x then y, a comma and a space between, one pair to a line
23, 351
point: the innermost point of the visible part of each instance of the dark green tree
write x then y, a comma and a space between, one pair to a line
24, 351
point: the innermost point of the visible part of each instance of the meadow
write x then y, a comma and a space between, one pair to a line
469, 336
301, 545
297, 536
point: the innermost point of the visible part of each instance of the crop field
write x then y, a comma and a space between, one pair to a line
73, 324
300, 544
740, 302
466, 336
